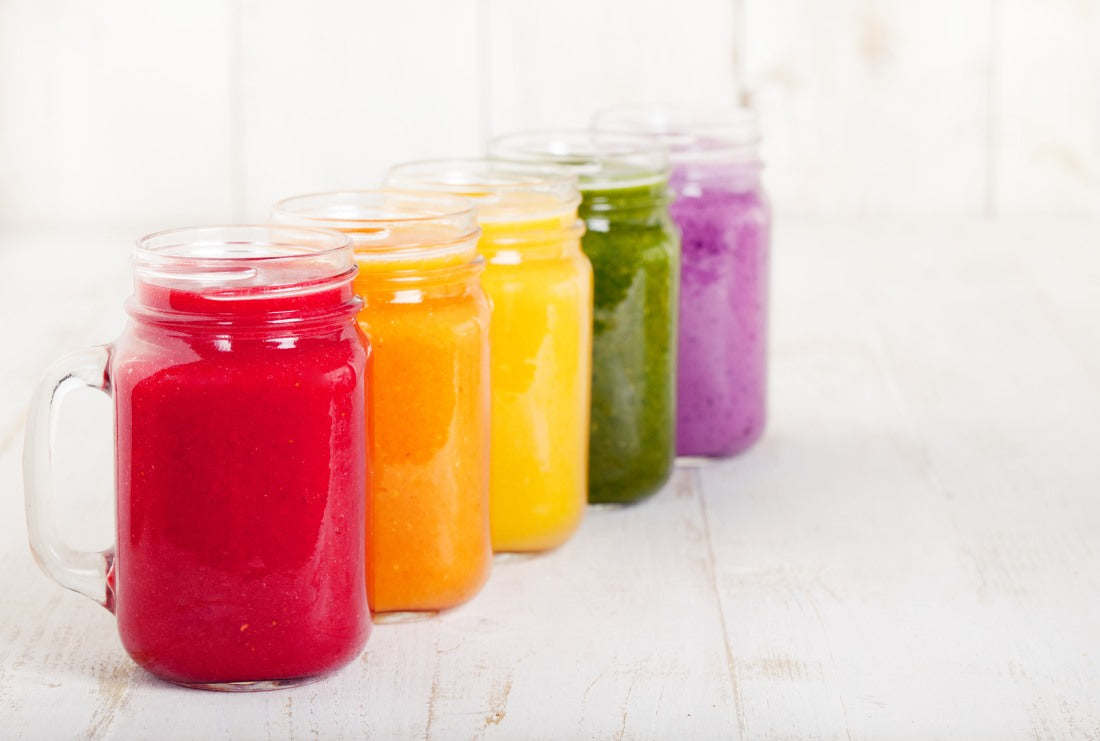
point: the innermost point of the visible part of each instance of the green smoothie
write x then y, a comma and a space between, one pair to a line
635, 253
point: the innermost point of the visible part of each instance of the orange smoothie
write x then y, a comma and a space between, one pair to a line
427, 319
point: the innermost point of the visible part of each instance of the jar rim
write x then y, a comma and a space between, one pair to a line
248, 257
380, 206
241, 242
600, 160
386, 223
504, 190
689, 132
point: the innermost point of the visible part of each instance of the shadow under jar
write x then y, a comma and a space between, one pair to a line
428, 321
238, 389
540, 286
635, 253
725, 222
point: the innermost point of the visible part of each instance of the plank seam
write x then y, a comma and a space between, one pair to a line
731, 664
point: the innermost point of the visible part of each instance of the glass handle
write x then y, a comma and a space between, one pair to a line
81, 571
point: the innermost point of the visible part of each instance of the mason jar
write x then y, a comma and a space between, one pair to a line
725, 221
427, 318
635, 253
540, 286
239, 385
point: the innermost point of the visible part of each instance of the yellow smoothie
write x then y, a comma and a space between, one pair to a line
540, 286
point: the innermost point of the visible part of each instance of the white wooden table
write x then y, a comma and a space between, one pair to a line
913, 551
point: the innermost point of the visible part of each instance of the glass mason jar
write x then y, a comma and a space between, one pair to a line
428, 322
635, 254
725, 221
238, 389
540, 286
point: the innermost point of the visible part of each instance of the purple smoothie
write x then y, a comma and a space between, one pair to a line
722, 386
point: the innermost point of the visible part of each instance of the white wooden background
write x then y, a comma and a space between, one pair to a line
911, 552
207, 110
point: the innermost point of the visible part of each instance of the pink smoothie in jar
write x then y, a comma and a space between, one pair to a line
725, 224
240, 468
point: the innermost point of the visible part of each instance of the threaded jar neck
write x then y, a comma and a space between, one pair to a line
599, 161
691, 134
391, 229
519, 204
229, 274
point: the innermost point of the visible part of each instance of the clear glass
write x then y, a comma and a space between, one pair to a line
688, 133
725, 219
598, 160
635, 253
428, 321
540, 286
238, 388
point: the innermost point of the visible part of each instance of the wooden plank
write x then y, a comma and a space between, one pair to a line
230, 105
554, 67
919, 522
1065, 282
76, 280
839, 476
61, 664
114, 111
1010, 438
872, 108
615, 634
336, 92
1047, 99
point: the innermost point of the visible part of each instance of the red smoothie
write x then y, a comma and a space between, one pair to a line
241, 478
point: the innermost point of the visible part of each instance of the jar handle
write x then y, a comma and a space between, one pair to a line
81, 571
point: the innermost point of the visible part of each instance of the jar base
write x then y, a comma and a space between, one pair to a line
717, 451
695, 461
515, 556
263, 685
607, 506
402, 616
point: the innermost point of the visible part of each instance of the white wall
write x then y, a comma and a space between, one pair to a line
175, 113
